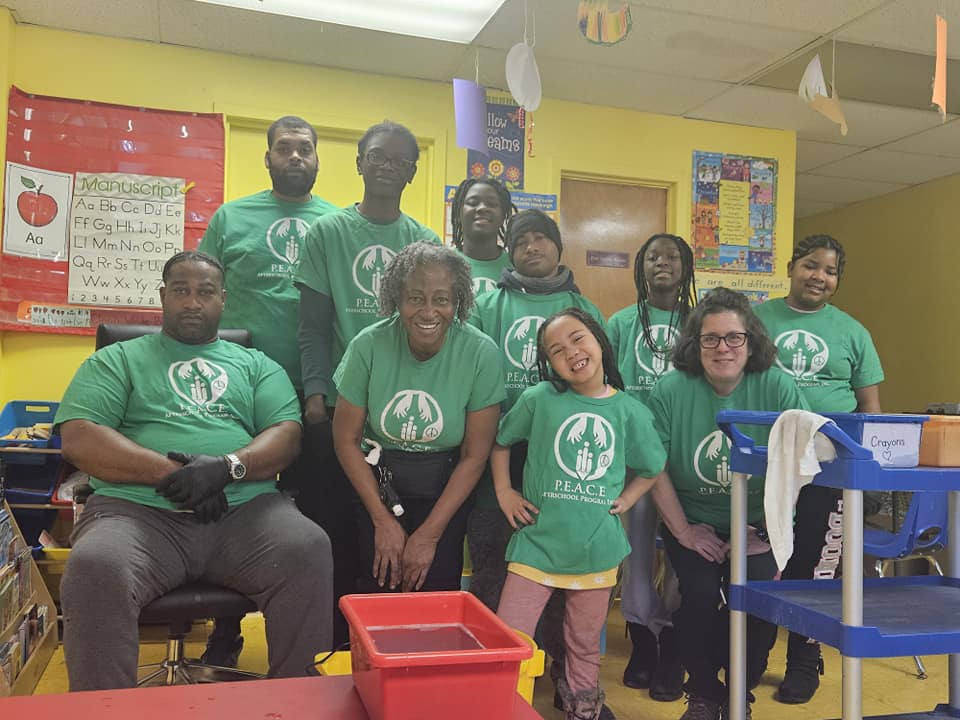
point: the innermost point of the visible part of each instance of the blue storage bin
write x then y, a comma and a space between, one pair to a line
33, 483
893, 439
24, 413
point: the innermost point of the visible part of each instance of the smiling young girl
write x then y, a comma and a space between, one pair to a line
583, 433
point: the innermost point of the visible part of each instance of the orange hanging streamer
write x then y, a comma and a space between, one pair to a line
940, 74
530, 126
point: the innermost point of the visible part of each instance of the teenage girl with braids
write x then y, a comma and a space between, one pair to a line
480, 210
642, 336
831, 358
584, 433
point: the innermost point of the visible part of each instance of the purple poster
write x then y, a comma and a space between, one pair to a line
505, 144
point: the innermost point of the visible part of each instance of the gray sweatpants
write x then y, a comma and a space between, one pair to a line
125, 555
639, 600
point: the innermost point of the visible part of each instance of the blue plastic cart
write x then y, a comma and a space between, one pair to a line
888, 617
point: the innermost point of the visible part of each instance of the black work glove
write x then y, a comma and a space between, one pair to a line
201, 477
211, 509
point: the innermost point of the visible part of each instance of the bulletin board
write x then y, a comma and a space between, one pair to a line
96, 198
734, 213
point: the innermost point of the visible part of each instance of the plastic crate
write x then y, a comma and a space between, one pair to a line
893, 439
24, 413
940, 443
339, 663
473, 684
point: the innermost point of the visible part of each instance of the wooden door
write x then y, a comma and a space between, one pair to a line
603, 225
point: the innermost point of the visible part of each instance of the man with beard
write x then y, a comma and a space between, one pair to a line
182, 435
259, 240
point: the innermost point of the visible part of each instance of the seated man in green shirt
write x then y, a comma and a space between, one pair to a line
183, 435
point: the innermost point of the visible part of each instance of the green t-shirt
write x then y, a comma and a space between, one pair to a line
580, 449
638, 364
511, 318
414, 405
698, 453
826, 353
168, 396
486, 273
259, 240
344, 257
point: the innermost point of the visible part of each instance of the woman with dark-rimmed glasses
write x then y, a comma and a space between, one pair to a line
723, 357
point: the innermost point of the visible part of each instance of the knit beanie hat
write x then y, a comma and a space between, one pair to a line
532, 221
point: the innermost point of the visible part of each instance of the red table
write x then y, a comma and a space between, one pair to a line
291, 699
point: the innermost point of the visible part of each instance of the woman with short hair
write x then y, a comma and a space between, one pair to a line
426, 388
723, 357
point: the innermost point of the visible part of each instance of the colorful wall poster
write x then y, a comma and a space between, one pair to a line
505, 144
733, 213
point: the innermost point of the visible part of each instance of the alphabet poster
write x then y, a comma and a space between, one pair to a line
122, 229
96, 198
734, 213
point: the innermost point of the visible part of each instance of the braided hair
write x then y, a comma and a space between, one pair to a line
686, 292
503, 195
811, 243
611, 373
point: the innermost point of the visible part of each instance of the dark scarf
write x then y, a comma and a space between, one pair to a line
561, 282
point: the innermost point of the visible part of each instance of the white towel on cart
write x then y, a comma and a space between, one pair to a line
795, 450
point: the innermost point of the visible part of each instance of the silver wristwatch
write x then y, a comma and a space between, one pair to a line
237, 470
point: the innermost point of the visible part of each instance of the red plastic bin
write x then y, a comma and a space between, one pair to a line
476, 684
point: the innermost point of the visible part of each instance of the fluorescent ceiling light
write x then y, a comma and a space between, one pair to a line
457, 21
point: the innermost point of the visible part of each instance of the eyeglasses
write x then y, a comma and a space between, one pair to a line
378, 158
733, 340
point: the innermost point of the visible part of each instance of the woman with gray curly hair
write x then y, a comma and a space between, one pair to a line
419, 402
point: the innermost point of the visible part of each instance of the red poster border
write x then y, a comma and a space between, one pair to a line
69, 135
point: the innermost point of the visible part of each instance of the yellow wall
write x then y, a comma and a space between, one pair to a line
901, 274
570, 138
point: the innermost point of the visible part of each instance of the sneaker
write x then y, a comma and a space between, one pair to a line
804, 668
643, 658
699, 708
605, 712
725, 712
222, 651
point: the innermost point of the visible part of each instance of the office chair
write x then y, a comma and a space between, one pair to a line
182, 606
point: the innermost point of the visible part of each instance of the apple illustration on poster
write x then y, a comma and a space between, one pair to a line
35, 207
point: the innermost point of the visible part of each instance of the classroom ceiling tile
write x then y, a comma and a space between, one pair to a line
891, 166
868, 124
812, 154
661, 41
806, 208
183, 22
841, 191
907, 25
941, 140
634, 89
819, 16
118, 18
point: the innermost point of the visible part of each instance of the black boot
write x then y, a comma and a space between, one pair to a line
583, 704
804, 668
224, 643
643, 659
667, 682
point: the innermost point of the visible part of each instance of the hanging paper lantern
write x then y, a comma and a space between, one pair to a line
523, 76
601, 25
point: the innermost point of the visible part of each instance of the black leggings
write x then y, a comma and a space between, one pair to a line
447, 568
702, 625
817, 534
